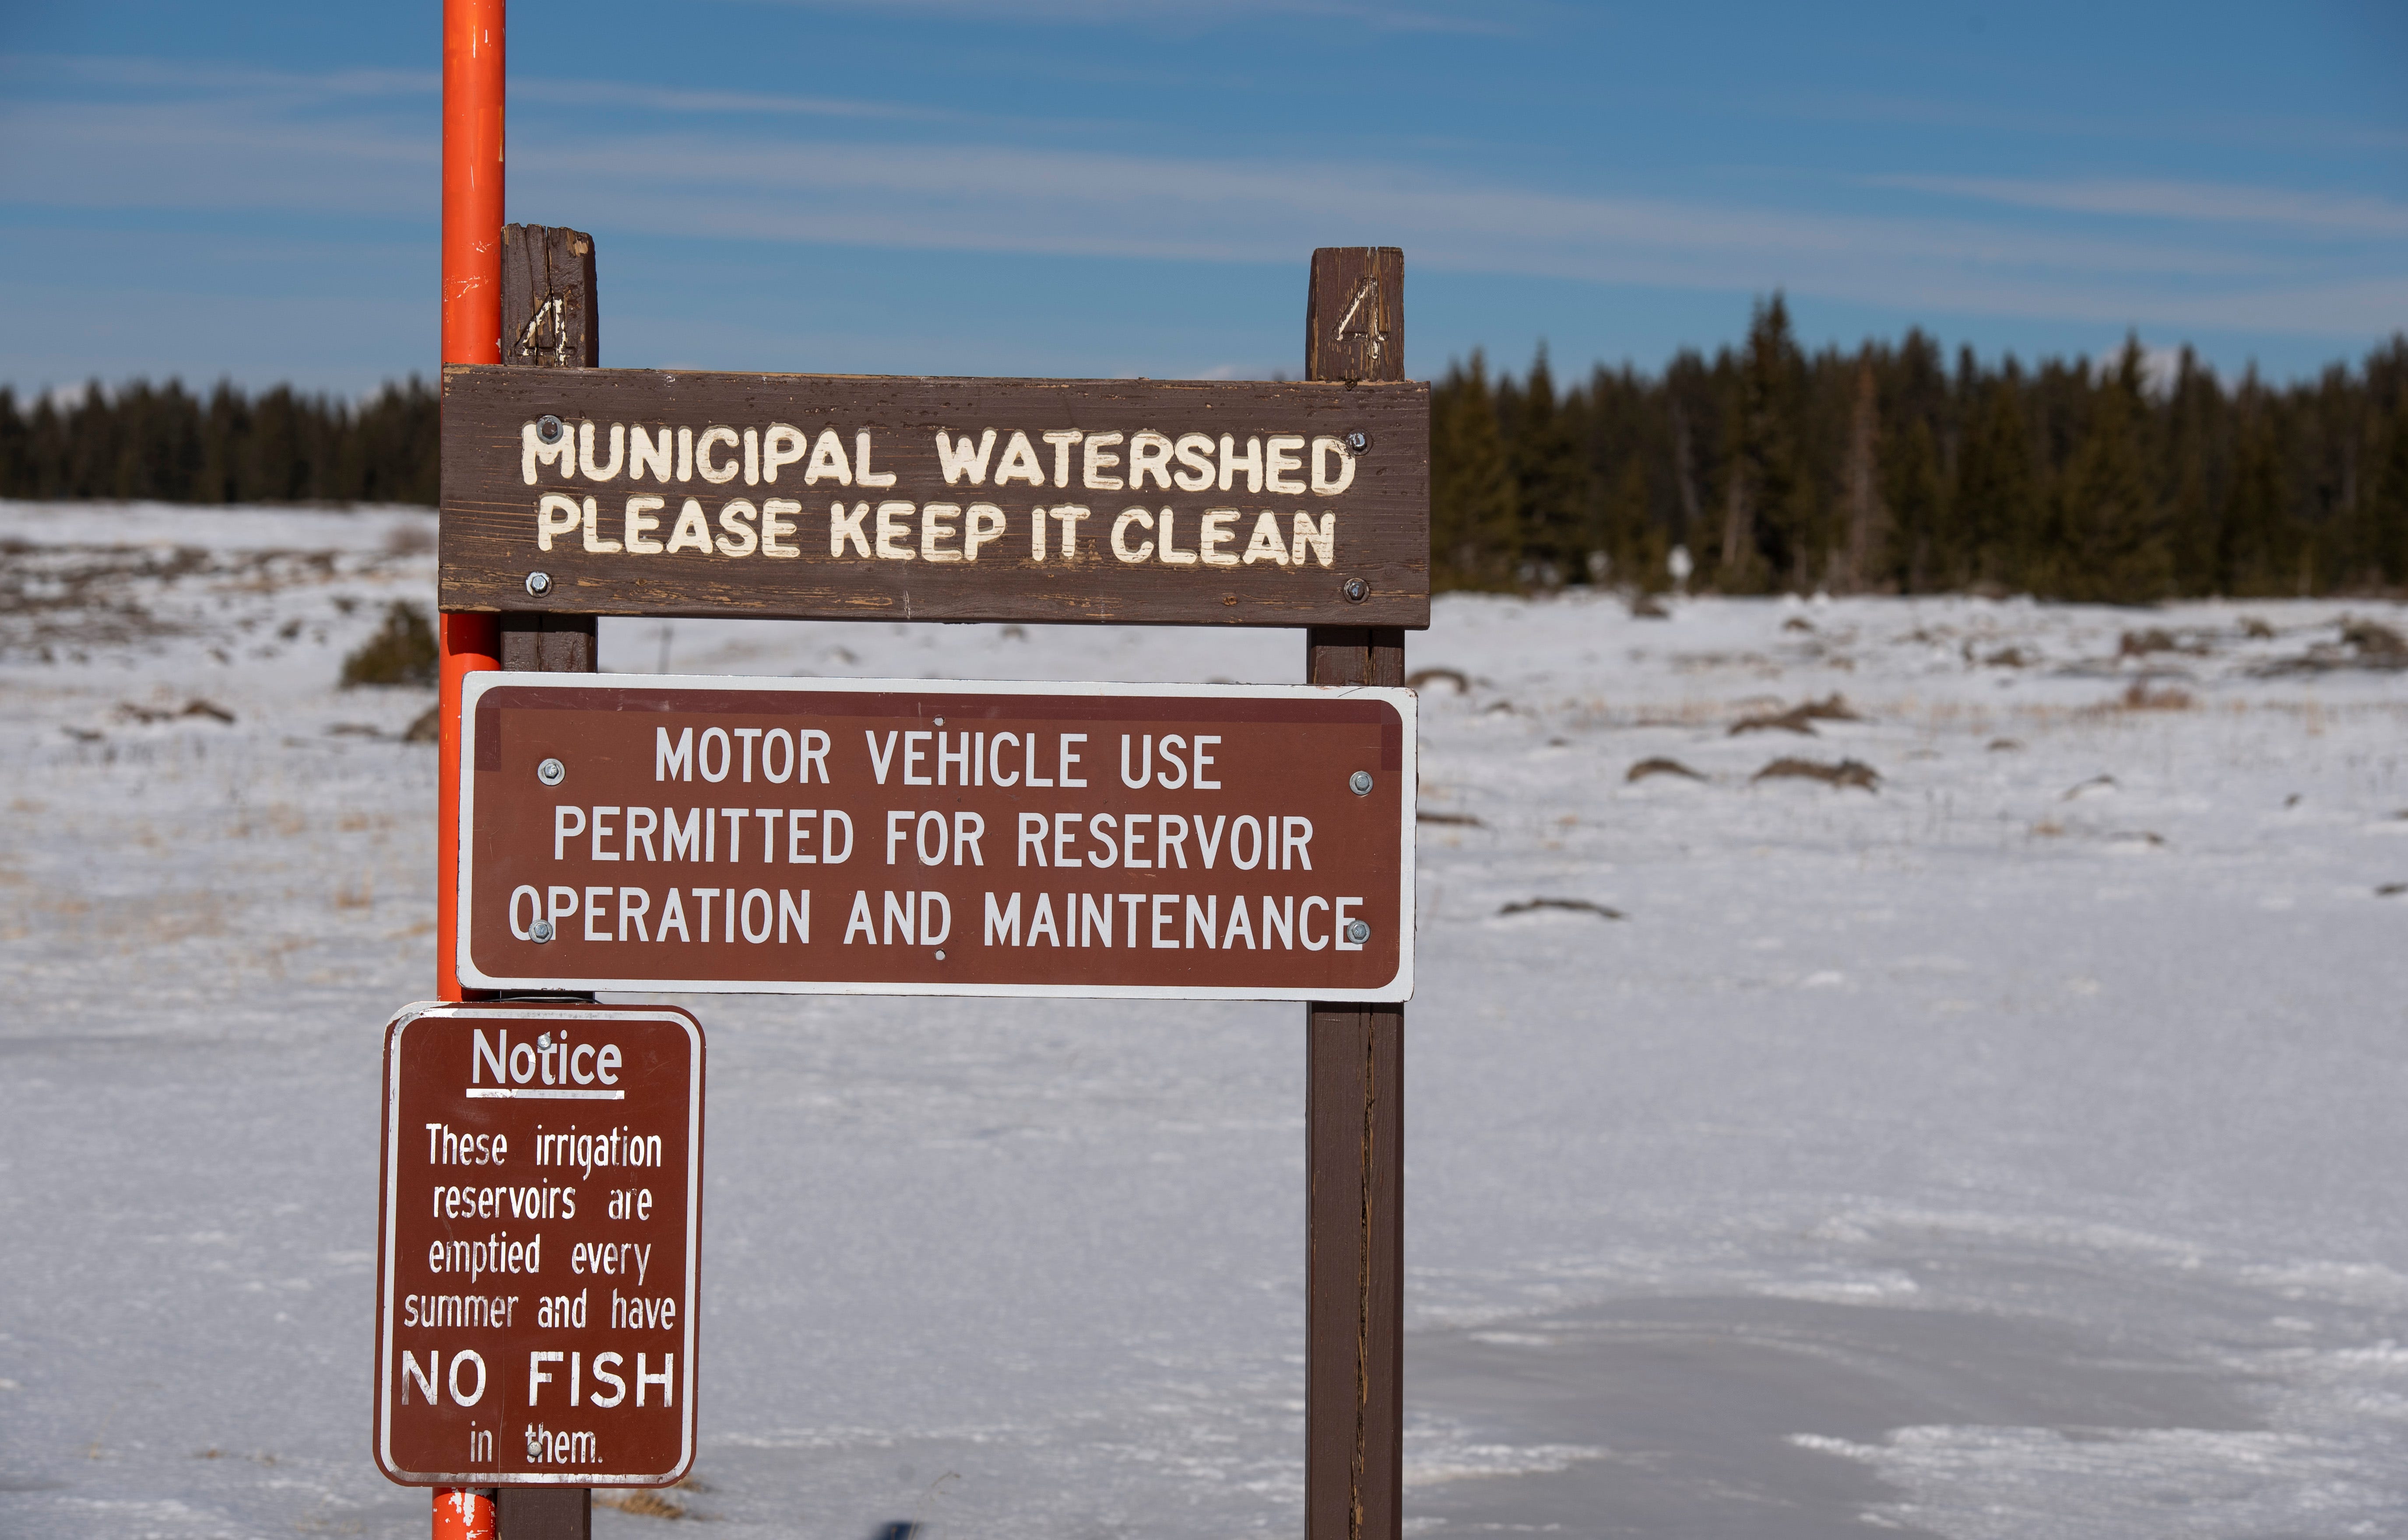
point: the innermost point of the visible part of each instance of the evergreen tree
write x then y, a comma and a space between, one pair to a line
1474, 542
1767, 507
2256, 552
2109, 547
2386, 518
1997, 489
1550, 479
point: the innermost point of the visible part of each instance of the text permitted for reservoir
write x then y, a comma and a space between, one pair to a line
891, 836
535, 1258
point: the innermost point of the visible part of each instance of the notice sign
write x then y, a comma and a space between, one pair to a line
878, 836
645, 491
535, 1284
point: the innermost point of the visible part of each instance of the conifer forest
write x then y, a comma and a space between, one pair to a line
1763, 469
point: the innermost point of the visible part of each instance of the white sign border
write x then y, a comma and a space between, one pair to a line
473, 686
388, 1218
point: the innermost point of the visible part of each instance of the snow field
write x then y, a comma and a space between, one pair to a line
2040, 1100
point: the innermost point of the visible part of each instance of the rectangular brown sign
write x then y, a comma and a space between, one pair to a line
535, 1245
641, 492
919, 838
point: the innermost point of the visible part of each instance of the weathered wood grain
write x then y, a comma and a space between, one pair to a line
1354, 1077
550, 314
1380, 538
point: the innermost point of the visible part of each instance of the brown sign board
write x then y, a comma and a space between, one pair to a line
535, 1245
885, 837
643, 491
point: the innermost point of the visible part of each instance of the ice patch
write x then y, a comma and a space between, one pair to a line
1438, 1451
1995, 1483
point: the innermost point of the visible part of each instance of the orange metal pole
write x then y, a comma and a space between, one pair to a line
473, 92
473, 95
463, 1513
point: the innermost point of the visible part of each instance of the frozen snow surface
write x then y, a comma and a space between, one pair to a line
2012, 1146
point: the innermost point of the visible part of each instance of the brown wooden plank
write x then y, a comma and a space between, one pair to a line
1354, 1055
550, 314
1378, 525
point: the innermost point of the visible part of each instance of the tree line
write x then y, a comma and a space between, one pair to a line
170, 445
1762, 469
1884, 469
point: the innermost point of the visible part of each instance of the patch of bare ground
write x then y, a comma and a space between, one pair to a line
1844, 773
2360, 644
1576, 905
2141, 644
1658, 765
1799, 718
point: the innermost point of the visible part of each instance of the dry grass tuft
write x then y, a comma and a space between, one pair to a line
1464, 821
2006, 746
1422, 679
2138, 696
401, 652
1660, 766
641, 1502
1845, 773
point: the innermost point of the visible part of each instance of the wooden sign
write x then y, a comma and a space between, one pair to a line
905, 838
535, 1245
641, 492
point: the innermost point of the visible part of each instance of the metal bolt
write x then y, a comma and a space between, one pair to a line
540, 930
1357, 590
1359, 783
538, 584
940, 721
549, 428
1358, 441
940, 954
551, 772
1358, 931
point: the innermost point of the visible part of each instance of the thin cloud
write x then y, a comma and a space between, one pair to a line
2203, 202
242, 151
1192, 16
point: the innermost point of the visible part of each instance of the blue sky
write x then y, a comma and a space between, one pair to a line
1076, 187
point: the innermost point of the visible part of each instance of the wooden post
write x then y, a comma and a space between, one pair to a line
548, 310
1355, 1122
549, 319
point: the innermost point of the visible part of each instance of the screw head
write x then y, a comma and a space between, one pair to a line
1357, 590
551, 772
549, 428
940, 954
1358, 441
1359, 783
538, 584
540, 930
1358, 931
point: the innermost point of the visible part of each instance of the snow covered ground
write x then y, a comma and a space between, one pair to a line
2012, 1147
